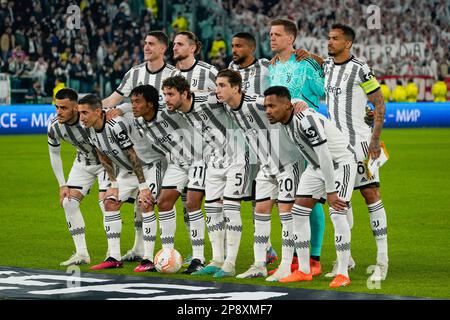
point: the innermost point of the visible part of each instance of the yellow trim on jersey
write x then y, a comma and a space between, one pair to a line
370, 85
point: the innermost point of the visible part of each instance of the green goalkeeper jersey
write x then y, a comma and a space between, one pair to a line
304, 79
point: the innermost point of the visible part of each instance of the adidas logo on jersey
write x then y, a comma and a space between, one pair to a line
289, 195
196, 184
236, 193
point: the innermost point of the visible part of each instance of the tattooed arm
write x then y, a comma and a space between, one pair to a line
376, 98
136, 164
145, 196
108, 165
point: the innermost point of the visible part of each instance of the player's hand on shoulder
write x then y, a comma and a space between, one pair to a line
300, 106
113, 113
64, 192
274, 59
301, 54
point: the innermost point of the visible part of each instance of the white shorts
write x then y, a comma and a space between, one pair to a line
82, 177
279, 187
312, 183
129, 184
179, 177
361, 181
231, 183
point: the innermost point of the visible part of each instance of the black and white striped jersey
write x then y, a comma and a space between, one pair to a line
141, 75
255, 77
77, 136
347, 85
214, 126
146, 149
269, 142
170, 132
201, 76
113, 139
310, 129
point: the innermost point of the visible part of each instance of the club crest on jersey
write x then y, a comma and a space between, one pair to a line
346, 76
288, 77
246, 85
252, 72
249, 118
203, 116
194, 82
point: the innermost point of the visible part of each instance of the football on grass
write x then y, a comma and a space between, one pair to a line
168, 260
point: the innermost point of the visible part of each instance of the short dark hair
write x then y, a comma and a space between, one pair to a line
92, 100
193, 39
179, 83
349, 33
160, 35
279, 91
289, 26
247, 37
67, 93
234, 77
149, 93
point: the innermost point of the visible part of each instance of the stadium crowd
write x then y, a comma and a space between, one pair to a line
37, 48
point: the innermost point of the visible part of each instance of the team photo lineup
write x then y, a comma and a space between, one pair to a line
219, 138
225, 150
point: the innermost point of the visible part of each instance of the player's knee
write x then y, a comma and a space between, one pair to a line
164, 204
371, 195
70, 204
111, 205
193, 205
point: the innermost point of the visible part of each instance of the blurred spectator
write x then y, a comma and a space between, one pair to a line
39, 70
439, 90
411, 91
399, 93
217, 45
7, 42
385, 91
180, 24
35, 94
59, 84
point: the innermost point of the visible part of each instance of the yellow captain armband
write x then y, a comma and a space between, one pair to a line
370, 85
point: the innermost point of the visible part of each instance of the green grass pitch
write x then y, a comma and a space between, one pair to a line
415, 188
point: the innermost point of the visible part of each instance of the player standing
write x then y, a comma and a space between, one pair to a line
349, 84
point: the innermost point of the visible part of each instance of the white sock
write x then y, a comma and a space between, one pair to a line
113, 228
287, 238
232, 214
378, 223
342, 239
76, 225
149, 227
185, 212
302, 236
138, 245
197, 234
216, 229
167, 225
350, 215
102, 208
261, 237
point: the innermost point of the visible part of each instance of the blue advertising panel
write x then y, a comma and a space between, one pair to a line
30, 119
